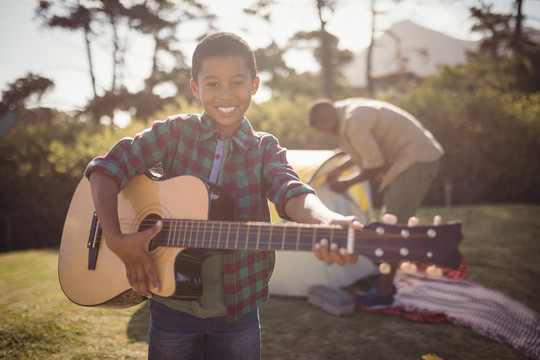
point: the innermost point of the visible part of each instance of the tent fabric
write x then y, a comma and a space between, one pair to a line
296, 272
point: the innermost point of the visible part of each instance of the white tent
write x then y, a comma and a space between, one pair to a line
296, 272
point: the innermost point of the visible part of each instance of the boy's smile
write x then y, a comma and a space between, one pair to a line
225, 88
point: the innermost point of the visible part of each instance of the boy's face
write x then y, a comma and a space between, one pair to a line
225, 87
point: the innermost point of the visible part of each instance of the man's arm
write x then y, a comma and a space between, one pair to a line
341, 185
130, 248
344, 165
308, 208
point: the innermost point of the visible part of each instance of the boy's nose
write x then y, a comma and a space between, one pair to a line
226, 91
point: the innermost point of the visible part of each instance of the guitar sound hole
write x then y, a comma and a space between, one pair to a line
147, 223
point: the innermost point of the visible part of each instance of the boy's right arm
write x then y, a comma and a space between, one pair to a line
132, 249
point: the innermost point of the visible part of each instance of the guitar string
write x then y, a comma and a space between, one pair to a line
262, 227
267, 229
265, 242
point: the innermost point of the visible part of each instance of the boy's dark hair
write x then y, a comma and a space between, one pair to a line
222, 44
321, 110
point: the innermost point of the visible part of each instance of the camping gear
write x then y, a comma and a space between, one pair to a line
334, 301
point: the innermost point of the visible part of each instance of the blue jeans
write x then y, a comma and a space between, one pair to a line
177, 335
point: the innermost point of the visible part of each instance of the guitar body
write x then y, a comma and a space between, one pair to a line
106, 285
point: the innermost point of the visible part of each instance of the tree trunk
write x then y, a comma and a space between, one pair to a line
90, 63
369, 80
326, 57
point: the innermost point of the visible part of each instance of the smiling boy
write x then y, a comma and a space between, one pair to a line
218, 146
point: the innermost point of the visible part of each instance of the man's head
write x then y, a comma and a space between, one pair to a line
323, 116
222, 44
224, 79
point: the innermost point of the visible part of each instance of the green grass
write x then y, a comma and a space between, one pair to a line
500, 245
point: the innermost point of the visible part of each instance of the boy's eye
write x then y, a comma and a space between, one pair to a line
238, 83
212, 84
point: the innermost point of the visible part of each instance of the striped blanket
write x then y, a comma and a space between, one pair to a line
485, 311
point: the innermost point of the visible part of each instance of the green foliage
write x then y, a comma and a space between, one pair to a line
44, 156
287, 119
491, 137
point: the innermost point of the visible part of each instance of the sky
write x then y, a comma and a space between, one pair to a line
60, 55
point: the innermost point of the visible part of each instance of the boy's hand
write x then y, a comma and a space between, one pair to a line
132, 249
332, 254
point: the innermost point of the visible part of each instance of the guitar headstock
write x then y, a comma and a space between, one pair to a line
429, 244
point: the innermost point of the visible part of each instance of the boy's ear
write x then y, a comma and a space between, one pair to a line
195, 89
256, 83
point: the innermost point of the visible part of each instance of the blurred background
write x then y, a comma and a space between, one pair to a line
78, 75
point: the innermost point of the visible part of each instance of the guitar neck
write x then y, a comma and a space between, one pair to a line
377, 241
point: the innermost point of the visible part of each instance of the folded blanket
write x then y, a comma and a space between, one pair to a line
458, 301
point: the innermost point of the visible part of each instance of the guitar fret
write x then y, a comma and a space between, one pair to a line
283, 238
270, 237
218, 235
190, 233
258, 236
237, 235
172, 232
184, 237
298, 237
247, 236
179, 232
168, 236
211, 237
197, 235
204, 233
174, 227
228, 233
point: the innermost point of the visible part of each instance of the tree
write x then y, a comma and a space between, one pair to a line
507, 48
21, 91
116, 21
323, 44
325, 48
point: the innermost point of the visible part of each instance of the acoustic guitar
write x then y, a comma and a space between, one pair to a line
198, 216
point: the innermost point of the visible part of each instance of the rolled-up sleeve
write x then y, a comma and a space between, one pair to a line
132, 156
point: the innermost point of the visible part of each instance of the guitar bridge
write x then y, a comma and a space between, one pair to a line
94, 240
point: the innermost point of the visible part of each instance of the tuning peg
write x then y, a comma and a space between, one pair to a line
408, 267
437, 220
389, 219
434, 271
413, 221
385, 268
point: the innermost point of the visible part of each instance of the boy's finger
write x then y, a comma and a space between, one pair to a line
151, 275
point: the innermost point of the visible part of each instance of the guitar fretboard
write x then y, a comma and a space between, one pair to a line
247, 235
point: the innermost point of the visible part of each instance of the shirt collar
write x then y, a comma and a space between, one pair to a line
242, 137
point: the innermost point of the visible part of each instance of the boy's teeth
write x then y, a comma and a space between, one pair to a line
226, 109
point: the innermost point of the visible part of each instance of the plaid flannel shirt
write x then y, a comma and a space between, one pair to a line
255, 170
